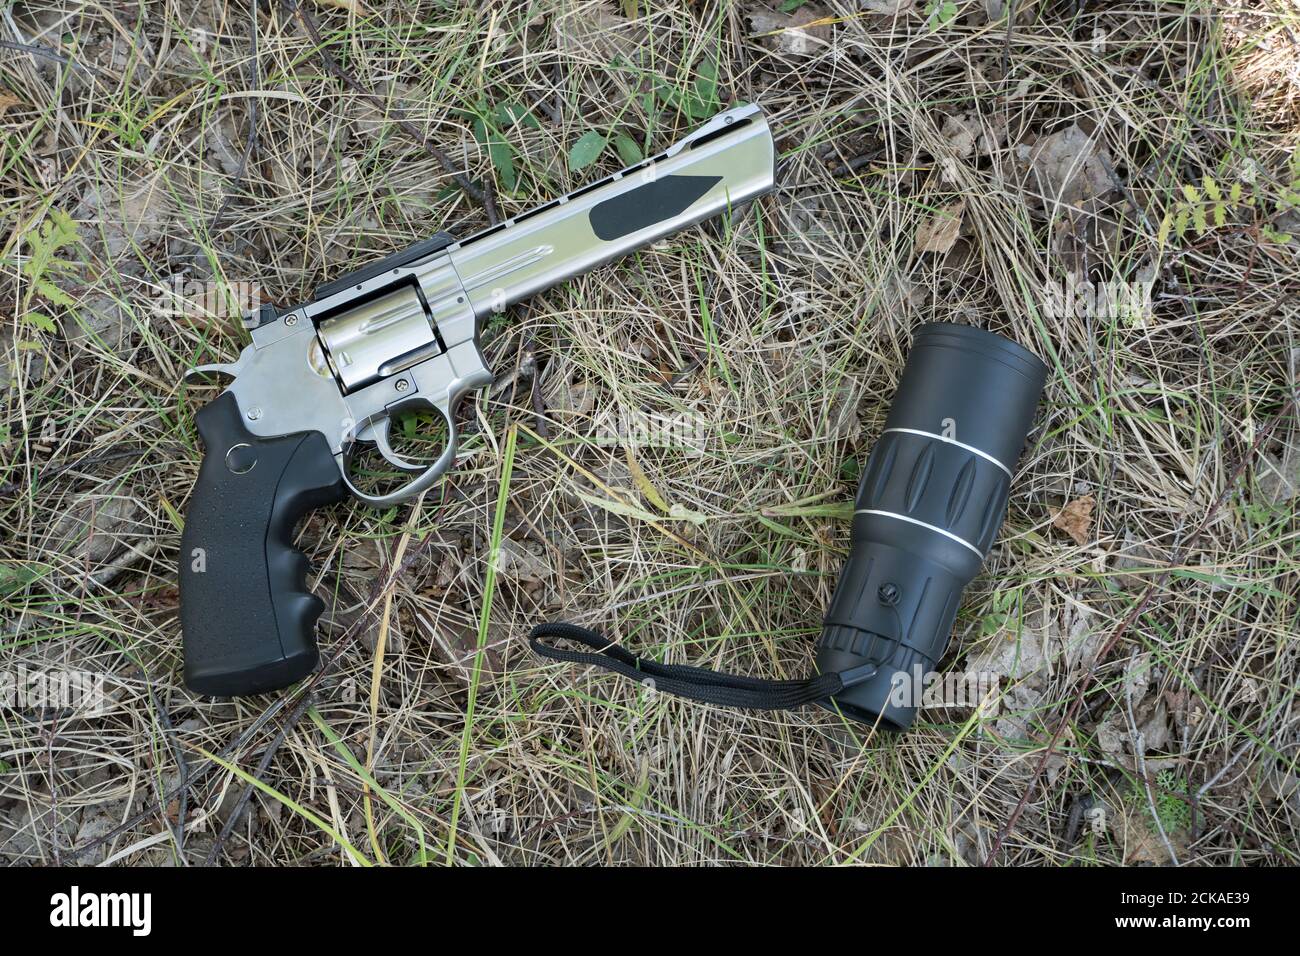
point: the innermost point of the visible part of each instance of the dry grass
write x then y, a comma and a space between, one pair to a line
783, 334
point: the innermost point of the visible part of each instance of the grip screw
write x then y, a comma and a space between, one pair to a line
291, 320
888, 594
402, 385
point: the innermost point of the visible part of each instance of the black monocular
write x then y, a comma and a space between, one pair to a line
933, 495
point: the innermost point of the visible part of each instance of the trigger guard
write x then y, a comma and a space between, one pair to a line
427, 477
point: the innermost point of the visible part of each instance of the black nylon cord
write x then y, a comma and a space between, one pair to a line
693, 683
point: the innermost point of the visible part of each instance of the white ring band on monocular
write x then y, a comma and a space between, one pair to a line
929, 527
952, 441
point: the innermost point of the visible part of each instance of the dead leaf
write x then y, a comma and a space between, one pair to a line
1075, 519
1069, 168
938, 232
800, 33
1278, 477
888, 7
351, 6
521, 561
7, 100
596, 32
1136, 555
960, 136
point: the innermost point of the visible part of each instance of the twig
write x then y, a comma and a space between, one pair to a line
169, 734
481, 196
254, 116
38, 51
247, 794
1121, 629
303, 690
13, 487
1139, 750
1006, 42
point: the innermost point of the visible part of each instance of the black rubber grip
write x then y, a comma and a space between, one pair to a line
247, 619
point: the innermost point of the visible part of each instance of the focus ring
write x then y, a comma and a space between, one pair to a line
937, 484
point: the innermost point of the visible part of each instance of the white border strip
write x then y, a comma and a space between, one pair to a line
947, 534
952, 441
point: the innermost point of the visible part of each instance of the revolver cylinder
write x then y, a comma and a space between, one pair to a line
385, 336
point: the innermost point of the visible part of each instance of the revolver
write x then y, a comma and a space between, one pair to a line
326, 378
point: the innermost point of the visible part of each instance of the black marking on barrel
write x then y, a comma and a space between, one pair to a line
646, 205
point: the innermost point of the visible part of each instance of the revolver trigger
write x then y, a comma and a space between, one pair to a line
379, 435
365, 434
209, 372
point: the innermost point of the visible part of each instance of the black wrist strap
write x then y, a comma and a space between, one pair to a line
694, 683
